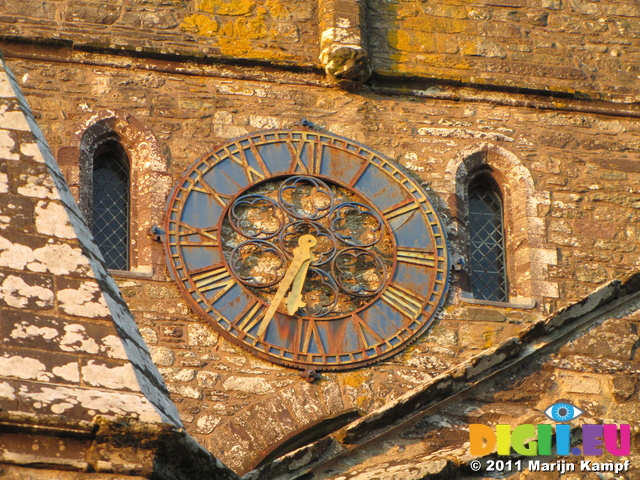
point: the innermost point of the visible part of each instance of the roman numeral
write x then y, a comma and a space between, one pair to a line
203, 187
252, 174
403, 300
311, 338
416, 256
400, 210
249, 317
261, 163
362, 329
359, 174
186, 230
213, 278
298, 165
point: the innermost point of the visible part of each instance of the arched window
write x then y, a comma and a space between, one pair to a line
110, 205
487, 256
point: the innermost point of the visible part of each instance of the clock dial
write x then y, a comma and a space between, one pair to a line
353, 253
307, 249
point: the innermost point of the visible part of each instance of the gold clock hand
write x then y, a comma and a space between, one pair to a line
301, 254
294, 300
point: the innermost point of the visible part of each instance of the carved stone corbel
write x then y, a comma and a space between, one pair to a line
343, 50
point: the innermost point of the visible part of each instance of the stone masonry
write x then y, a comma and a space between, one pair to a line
542, 93
582, 236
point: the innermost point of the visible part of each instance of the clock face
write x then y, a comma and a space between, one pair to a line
307, 249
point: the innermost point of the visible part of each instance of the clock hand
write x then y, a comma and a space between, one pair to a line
301, 254
294, 300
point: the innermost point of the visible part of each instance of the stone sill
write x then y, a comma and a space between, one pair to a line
130, 274
522, 303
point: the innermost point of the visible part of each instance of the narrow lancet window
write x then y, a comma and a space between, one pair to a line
488, 272
111, 198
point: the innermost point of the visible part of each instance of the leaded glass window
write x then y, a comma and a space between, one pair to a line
488, 273
111, 196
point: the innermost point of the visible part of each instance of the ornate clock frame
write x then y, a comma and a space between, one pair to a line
376, 270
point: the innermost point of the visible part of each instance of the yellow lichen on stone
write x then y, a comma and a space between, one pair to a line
444, 61
227, 7
407, 41
449, 11
277, 10
200, 24
404, 10
363, 402
488, 339
235, 39
245, 28
431, 24
355, 380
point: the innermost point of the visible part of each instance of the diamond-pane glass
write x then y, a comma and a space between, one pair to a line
111, 205
488, 275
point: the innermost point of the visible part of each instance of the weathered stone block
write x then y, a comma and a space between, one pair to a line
304, 402
482, 48
624, 387
202, 335
576, 383
207, 379
38, 9
160, 19
257, 385
162, 356
186, 391
100, 13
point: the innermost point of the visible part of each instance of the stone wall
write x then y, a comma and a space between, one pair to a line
573, 218
272, 30
583, 48
588, 48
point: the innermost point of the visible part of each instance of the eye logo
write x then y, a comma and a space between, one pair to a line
596, 438
563, 412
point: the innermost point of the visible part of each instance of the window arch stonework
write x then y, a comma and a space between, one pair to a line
150, 181
524, 210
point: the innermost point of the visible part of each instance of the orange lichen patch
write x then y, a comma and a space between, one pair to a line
355, 380
405, 10
227, 7
200, 24
406, 41
431, 24
277, 10
488, 338
245, 28
449, 11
